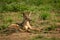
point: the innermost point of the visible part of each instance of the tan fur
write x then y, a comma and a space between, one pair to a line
26, 21
14, 26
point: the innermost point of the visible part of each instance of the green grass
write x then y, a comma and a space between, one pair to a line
9, 18
44, 16
22, 5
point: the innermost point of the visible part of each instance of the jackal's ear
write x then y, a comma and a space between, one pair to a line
26, 13
29, 14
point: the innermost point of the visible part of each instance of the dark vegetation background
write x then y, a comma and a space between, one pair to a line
31, 5
45, 13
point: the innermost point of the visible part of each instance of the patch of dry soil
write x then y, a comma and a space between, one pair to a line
25, 36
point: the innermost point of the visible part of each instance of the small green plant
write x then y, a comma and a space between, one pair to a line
44, 16
48, 29
9, 19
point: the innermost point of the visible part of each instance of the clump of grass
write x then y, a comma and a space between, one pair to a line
57, 14
1, 16
9, 19
51, 27
44, 16
3, 26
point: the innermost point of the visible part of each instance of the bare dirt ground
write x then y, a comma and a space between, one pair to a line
17, 36
27, 35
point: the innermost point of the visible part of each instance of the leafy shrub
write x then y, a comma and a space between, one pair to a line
8, 1
16, 7
9, 7
23, 7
